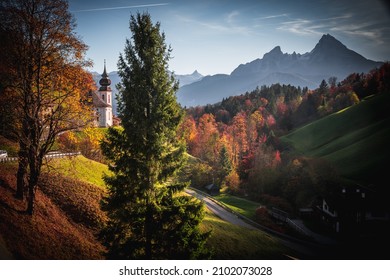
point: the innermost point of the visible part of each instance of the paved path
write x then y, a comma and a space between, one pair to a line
302, 249
220, 211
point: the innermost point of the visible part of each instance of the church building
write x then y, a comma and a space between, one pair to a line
102, 101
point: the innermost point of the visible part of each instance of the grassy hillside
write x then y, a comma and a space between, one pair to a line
353, 140
79, 168
68, 218
234, 242
245, 207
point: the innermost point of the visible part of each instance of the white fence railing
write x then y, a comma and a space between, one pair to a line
8, 159
295, 226
54, 155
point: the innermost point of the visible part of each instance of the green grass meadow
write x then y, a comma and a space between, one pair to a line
79, 168
353, 140
242, 206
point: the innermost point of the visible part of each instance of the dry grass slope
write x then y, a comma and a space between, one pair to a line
51, 233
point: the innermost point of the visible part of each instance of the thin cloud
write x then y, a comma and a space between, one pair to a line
121, 8
273, 16
367, 30
348, 24
232, 16
301, 27
228, 25
313, 27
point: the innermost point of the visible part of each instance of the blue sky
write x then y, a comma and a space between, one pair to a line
216, 36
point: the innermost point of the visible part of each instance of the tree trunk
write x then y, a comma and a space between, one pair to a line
31, 199
34, 176
35, 171
148, 233
21, 175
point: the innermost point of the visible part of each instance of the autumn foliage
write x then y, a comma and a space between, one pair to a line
246, 130
42, 68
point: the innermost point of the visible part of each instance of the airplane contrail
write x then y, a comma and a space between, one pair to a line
119, 8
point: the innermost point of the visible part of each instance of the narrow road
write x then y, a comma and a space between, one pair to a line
303, 250
219, 211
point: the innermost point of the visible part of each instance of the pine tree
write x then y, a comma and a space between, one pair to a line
149, 218
225, 163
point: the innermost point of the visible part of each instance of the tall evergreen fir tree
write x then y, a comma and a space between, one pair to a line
149, 217
225, 162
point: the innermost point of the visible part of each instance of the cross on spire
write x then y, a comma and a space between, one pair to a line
104, 75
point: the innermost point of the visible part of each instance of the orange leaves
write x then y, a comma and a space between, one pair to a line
43, 61
188, 130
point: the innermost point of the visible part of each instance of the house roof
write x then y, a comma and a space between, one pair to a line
355, 198
211, 186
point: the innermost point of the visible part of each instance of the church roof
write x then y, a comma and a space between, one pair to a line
98, 102
105, 81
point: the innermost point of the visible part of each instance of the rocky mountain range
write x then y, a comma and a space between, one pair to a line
329, 58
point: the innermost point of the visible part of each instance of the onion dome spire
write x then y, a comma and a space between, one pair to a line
105, 82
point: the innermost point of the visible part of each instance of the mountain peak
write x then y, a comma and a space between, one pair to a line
196, 73
328, 37
275, 52
329, 42
328, 58
189, 78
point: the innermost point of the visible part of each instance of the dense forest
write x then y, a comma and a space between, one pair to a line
237, 140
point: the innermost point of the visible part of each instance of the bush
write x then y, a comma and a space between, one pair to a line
200, 174
232, 181
277, 202
263, 218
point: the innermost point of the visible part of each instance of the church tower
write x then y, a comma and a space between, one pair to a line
104, 103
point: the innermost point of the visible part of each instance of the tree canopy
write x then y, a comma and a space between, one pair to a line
42, 68
149, 216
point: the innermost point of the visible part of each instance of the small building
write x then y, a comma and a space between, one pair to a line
212, 189
116, 121
102, 101
354, 209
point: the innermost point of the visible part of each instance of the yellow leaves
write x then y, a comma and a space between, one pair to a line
232, 181
93, 136
68, 141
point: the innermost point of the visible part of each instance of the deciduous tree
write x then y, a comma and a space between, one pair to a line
43, 65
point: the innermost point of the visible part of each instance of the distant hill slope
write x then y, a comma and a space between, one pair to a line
355, 140
328, 58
